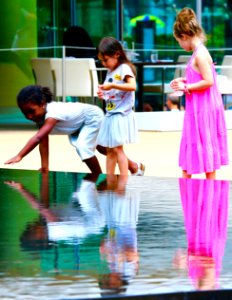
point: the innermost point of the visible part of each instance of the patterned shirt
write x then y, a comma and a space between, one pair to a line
119, 101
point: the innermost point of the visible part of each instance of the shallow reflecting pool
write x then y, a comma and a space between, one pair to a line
74, 236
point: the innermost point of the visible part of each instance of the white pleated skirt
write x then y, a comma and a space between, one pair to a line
117, 130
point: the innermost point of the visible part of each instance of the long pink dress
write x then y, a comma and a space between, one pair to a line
205, 206
203, 145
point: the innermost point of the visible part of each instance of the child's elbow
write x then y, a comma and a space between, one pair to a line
133, 88
211, 83
39, 138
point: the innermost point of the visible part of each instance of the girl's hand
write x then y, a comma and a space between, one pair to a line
106, 86
44, 170
14, 184
100, 93
13, 160
178, 84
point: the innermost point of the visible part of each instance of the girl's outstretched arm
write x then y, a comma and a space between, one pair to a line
34, 141
34, 202
44, 153
128, 86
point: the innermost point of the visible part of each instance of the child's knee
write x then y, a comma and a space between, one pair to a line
84, 152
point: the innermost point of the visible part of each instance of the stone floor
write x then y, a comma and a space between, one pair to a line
157, 150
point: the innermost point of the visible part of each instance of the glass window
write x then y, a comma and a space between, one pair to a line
146, 24
18, 41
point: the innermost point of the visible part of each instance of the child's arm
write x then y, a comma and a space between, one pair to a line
128, 86
44, 153
45, 212
203, 65
175, 82
100, 93
34, 141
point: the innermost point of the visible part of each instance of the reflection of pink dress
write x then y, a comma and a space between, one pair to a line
204, 139
205, 207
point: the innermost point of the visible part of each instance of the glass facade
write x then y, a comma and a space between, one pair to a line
32, 28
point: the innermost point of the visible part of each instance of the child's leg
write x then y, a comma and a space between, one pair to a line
210, 175
132, 166
84, 140
112, 181
122, 160
121, 186
111, 160
185, 174
93, 165
101, 149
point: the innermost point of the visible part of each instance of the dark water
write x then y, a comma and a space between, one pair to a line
70, 235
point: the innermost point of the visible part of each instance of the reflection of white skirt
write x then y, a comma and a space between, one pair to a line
117, 130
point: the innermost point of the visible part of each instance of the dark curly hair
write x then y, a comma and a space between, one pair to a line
34, 93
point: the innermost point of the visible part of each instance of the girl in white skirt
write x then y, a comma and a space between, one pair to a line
118, 91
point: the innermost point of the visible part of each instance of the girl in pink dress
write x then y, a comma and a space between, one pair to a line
203, 146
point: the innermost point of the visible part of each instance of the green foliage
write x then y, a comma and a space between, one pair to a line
217, 39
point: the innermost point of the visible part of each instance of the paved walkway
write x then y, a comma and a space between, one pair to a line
157, 150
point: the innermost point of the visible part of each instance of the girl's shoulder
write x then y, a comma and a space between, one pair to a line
201, 50
126, 69
57, 106
120, 72
125, 65
51, 104
203, 54
54, 107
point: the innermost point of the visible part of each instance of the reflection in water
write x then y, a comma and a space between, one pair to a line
71, 222
35, 234
119, 246
81, 217
104, 208
79, 236
205, 207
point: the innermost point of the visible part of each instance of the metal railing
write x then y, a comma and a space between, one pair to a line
16, 71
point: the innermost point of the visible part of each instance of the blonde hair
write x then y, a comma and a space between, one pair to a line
186, 23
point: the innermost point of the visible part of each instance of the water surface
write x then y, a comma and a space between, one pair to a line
72, 236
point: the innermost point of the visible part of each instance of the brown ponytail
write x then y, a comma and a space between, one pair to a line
187, 23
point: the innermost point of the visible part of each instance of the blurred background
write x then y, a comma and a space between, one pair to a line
31, 28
